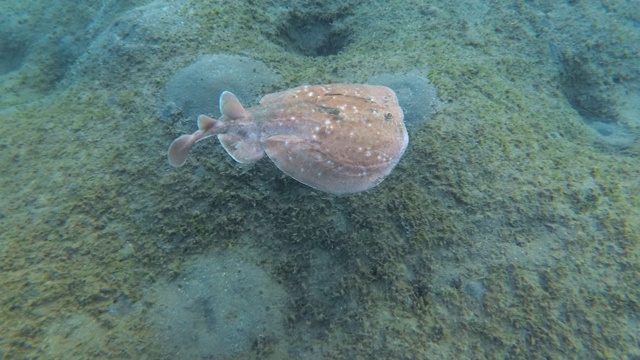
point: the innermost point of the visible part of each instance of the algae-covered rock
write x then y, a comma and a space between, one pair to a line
132, 41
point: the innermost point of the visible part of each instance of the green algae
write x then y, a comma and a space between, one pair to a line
505, 185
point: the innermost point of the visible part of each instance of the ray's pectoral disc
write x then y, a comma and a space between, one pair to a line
337, 138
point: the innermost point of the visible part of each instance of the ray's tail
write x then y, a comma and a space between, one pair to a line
179, 148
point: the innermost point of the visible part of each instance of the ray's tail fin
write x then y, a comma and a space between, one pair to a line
179, 148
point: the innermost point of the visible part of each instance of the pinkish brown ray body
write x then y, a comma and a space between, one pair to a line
337, 138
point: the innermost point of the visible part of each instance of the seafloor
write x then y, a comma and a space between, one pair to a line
510, 229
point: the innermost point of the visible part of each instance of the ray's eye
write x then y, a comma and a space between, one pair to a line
388, 116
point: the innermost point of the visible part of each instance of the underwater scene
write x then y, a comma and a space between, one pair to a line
403, 179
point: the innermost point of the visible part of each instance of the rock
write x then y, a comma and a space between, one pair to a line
418, 98
194, 89
217, 309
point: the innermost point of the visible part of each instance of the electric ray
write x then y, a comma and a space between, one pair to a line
338, 138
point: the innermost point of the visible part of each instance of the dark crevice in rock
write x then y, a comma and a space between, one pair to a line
313, 35
586, 91
12, 55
